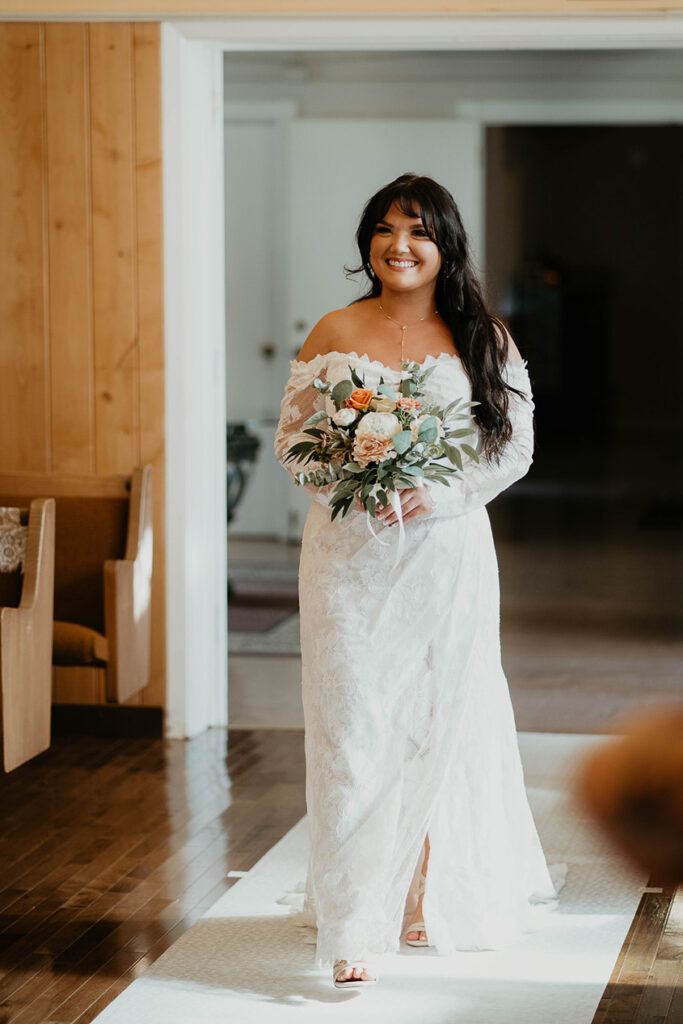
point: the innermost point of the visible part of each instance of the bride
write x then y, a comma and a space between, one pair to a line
419, 822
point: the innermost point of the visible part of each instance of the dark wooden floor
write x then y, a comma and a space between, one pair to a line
110, 849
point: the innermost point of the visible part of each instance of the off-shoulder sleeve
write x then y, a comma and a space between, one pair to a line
299, 402
479, 483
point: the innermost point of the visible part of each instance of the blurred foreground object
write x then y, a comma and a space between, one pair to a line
633, 786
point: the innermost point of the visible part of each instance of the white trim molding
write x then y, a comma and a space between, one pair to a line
194, 273
658, 30
574, 111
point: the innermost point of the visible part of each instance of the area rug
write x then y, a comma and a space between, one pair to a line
249, 618
249, 961
281, 639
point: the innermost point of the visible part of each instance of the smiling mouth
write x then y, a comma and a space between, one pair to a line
402, 264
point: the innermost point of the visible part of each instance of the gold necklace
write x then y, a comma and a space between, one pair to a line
404, 327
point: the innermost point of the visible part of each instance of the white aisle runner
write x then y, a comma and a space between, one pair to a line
248, 961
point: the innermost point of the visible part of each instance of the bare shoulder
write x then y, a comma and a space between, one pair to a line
329, 333
514, 355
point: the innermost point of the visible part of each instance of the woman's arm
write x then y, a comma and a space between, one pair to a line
479, 483
301, 400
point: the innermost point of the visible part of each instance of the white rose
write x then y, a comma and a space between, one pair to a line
344, 417
378, 424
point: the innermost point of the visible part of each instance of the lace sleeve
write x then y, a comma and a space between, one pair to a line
480, 483
299, 402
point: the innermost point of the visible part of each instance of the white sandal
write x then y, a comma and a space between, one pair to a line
418, 926
343, 965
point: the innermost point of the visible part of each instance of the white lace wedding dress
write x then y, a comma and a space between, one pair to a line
408, 722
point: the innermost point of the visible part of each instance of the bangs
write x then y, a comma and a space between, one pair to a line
408, 199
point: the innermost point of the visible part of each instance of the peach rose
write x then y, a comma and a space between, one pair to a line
404, 402
360, 398
369, 448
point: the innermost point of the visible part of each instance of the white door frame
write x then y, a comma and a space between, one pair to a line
192, 108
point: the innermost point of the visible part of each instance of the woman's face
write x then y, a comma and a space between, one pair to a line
402, 254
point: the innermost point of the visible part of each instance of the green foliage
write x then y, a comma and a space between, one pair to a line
469, 450
316, 418
402, 441
330, 446
429, 430
341, 391
358, 381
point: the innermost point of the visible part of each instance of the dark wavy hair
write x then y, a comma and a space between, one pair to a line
480, 337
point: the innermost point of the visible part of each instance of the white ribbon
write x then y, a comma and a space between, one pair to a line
395, 502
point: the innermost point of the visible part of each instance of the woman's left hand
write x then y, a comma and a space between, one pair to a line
415, 501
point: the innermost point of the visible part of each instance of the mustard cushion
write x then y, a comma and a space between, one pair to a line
78, 645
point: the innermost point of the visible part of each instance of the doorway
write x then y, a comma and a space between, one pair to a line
590, 278
193, 151
569, 248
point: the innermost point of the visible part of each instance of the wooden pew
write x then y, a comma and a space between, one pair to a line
26, 642
103, 570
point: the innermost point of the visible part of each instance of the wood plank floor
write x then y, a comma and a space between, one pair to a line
110, 849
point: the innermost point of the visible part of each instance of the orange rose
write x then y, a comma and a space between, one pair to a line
360, 398
404, 402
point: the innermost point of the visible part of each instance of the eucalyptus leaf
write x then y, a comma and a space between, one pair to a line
453, 455
402, 441
315, 418
469, 450
427, 434
342, 391
430, 421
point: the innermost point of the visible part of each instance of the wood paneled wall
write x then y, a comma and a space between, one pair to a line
81, 276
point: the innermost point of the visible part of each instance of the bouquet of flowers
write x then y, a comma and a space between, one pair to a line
375, 441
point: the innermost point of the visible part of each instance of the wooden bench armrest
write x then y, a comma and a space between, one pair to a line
40, 549
127, 597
